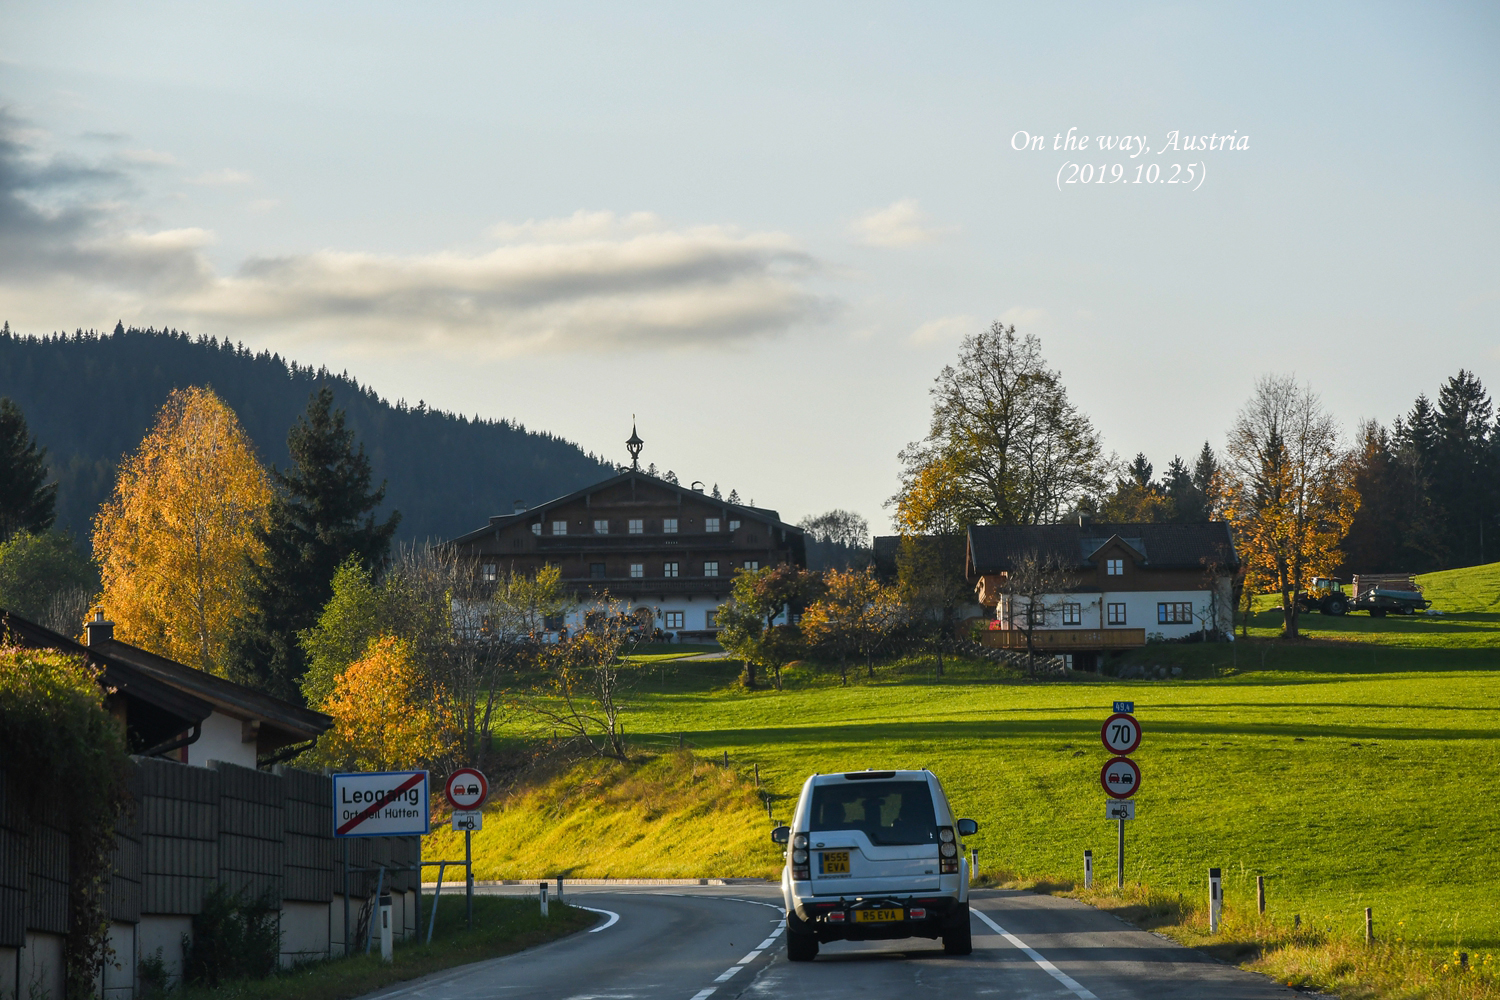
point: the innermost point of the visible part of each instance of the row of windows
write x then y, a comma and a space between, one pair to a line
678, 619
1167, 613
637, 526
488, 572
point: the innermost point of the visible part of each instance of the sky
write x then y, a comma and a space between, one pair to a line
761, 231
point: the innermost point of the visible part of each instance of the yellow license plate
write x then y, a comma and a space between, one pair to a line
877, 916
835, 863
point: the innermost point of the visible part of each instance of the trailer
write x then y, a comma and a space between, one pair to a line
1378, 595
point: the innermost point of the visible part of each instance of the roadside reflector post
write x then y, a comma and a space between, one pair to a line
726, 758
1215, 899
542, 892
1260, 894
1369, 927
973, 863
757, 774
1088, 869
374, 912
386, 954
559, 888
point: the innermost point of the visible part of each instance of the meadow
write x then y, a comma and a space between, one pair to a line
1351, 769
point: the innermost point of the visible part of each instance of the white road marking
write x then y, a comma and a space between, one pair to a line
704, 994
767, 943
614, 918
1072, 984
750, 957
729, 975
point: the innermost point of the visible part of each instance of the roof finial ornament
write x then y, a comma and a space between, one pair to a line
635, 444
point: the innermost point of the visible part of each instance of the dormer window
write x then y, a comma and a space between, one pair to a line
1114, 567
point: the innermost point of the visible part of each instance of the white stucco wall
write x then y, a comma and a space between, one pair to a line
222, 739
1141, 610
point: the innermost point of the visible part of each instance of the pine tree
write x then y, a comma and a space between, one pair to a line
1463, 477
27, 501
734, 496
1206, 479
322, 514
671, 477
716, 494
1189, 504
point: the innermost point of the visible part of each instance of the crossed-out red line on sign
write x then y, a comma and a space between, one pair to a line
373, 809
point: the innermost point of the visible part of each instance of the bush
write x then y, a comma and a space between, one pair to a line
234, 937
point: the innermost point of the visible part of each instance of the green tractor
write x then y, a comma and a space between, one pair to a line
1325, 596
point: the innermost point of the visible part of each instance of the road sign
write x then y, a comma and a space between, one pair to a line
468, 822
1123, 809
380, 804
467, 789
1128, 707
1120, 777
1121, 734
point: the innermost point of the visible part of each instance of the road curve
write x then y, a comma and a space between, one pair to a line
693, 943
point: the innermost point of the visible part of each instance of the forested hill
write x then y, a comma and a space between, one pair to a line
90, 398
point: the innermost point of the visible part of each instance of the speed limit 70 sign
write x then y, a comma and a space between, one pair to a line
1121, 734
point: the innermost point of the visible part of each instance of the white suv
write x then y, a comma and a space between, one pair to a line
874, 854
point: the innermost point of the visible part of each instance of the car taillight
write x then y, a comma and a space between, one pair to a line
947, 851
918, 913
836, 917
799, 857
801, 873
800, 841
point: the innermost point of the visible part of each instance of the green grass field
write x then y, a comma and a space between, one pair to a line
1351, 770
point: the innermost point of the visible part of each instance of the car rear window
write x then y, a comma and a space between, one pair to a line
888, 812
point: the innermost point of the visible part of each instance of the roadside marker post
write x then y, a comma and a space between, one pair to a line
973, 863
1260, 893
1369, 926
1215, 899
542, 894
1088, 869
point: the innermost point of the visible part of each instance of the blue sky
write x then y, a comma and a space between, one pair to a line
763, 230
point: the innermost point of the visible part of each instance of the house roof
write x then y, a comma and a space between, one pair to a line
171, 710
295, 723
745, 512
994, 548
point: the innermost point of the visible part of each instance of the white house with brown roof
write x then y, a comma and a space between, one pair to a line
1127, 584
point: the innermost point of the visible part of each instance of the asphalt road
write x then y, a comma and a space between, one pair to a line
724, 942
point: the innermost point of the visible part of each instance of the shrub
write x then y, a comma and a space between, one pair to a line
234, 937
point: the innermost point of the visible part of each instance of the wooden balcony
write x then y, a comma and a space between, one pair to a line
1058, 640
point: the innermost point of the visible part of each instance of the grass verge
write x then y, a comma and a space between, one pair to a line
502, 925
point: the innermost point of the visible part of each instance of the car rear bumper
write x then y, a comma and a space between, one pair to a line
934, 914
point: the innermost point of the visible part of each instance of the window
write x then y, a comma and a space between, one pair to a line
1114, 567
637, 526
734, 526
536, 529
1072, 614
889, 813
596, 571
601, 527
710, 524
487, 572
637, 570
674, 618
559, 527
708, 618
1036, 615
1067, 659
752, 564
711, 568
1115, 613
1174, 613
669, 526
669, 569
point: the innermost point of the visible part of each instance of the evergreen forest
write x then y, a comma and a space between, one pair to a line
89, 398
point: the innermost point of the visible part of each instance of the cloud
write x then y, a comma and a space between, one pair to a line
1025, 317
900, 224
590, 281
221, 178
942, 329
148, 158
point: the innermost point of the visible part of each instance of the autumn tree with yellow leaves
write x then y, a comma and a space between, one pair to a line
387, 716
1288, 490
175, 541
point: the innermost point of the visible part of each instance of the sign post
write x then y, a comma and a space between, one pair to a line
466, 790
377, 804
1121, 778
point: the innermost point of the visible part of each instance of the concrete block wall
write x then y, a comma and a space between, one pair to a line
269, 834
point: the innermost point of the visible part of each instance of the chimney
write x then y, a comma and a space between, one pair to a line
520, 507
697, 487
99, 631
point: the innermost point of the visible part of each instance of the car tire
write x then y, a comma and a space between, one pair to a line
1336, 608
958, 938
801, 946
